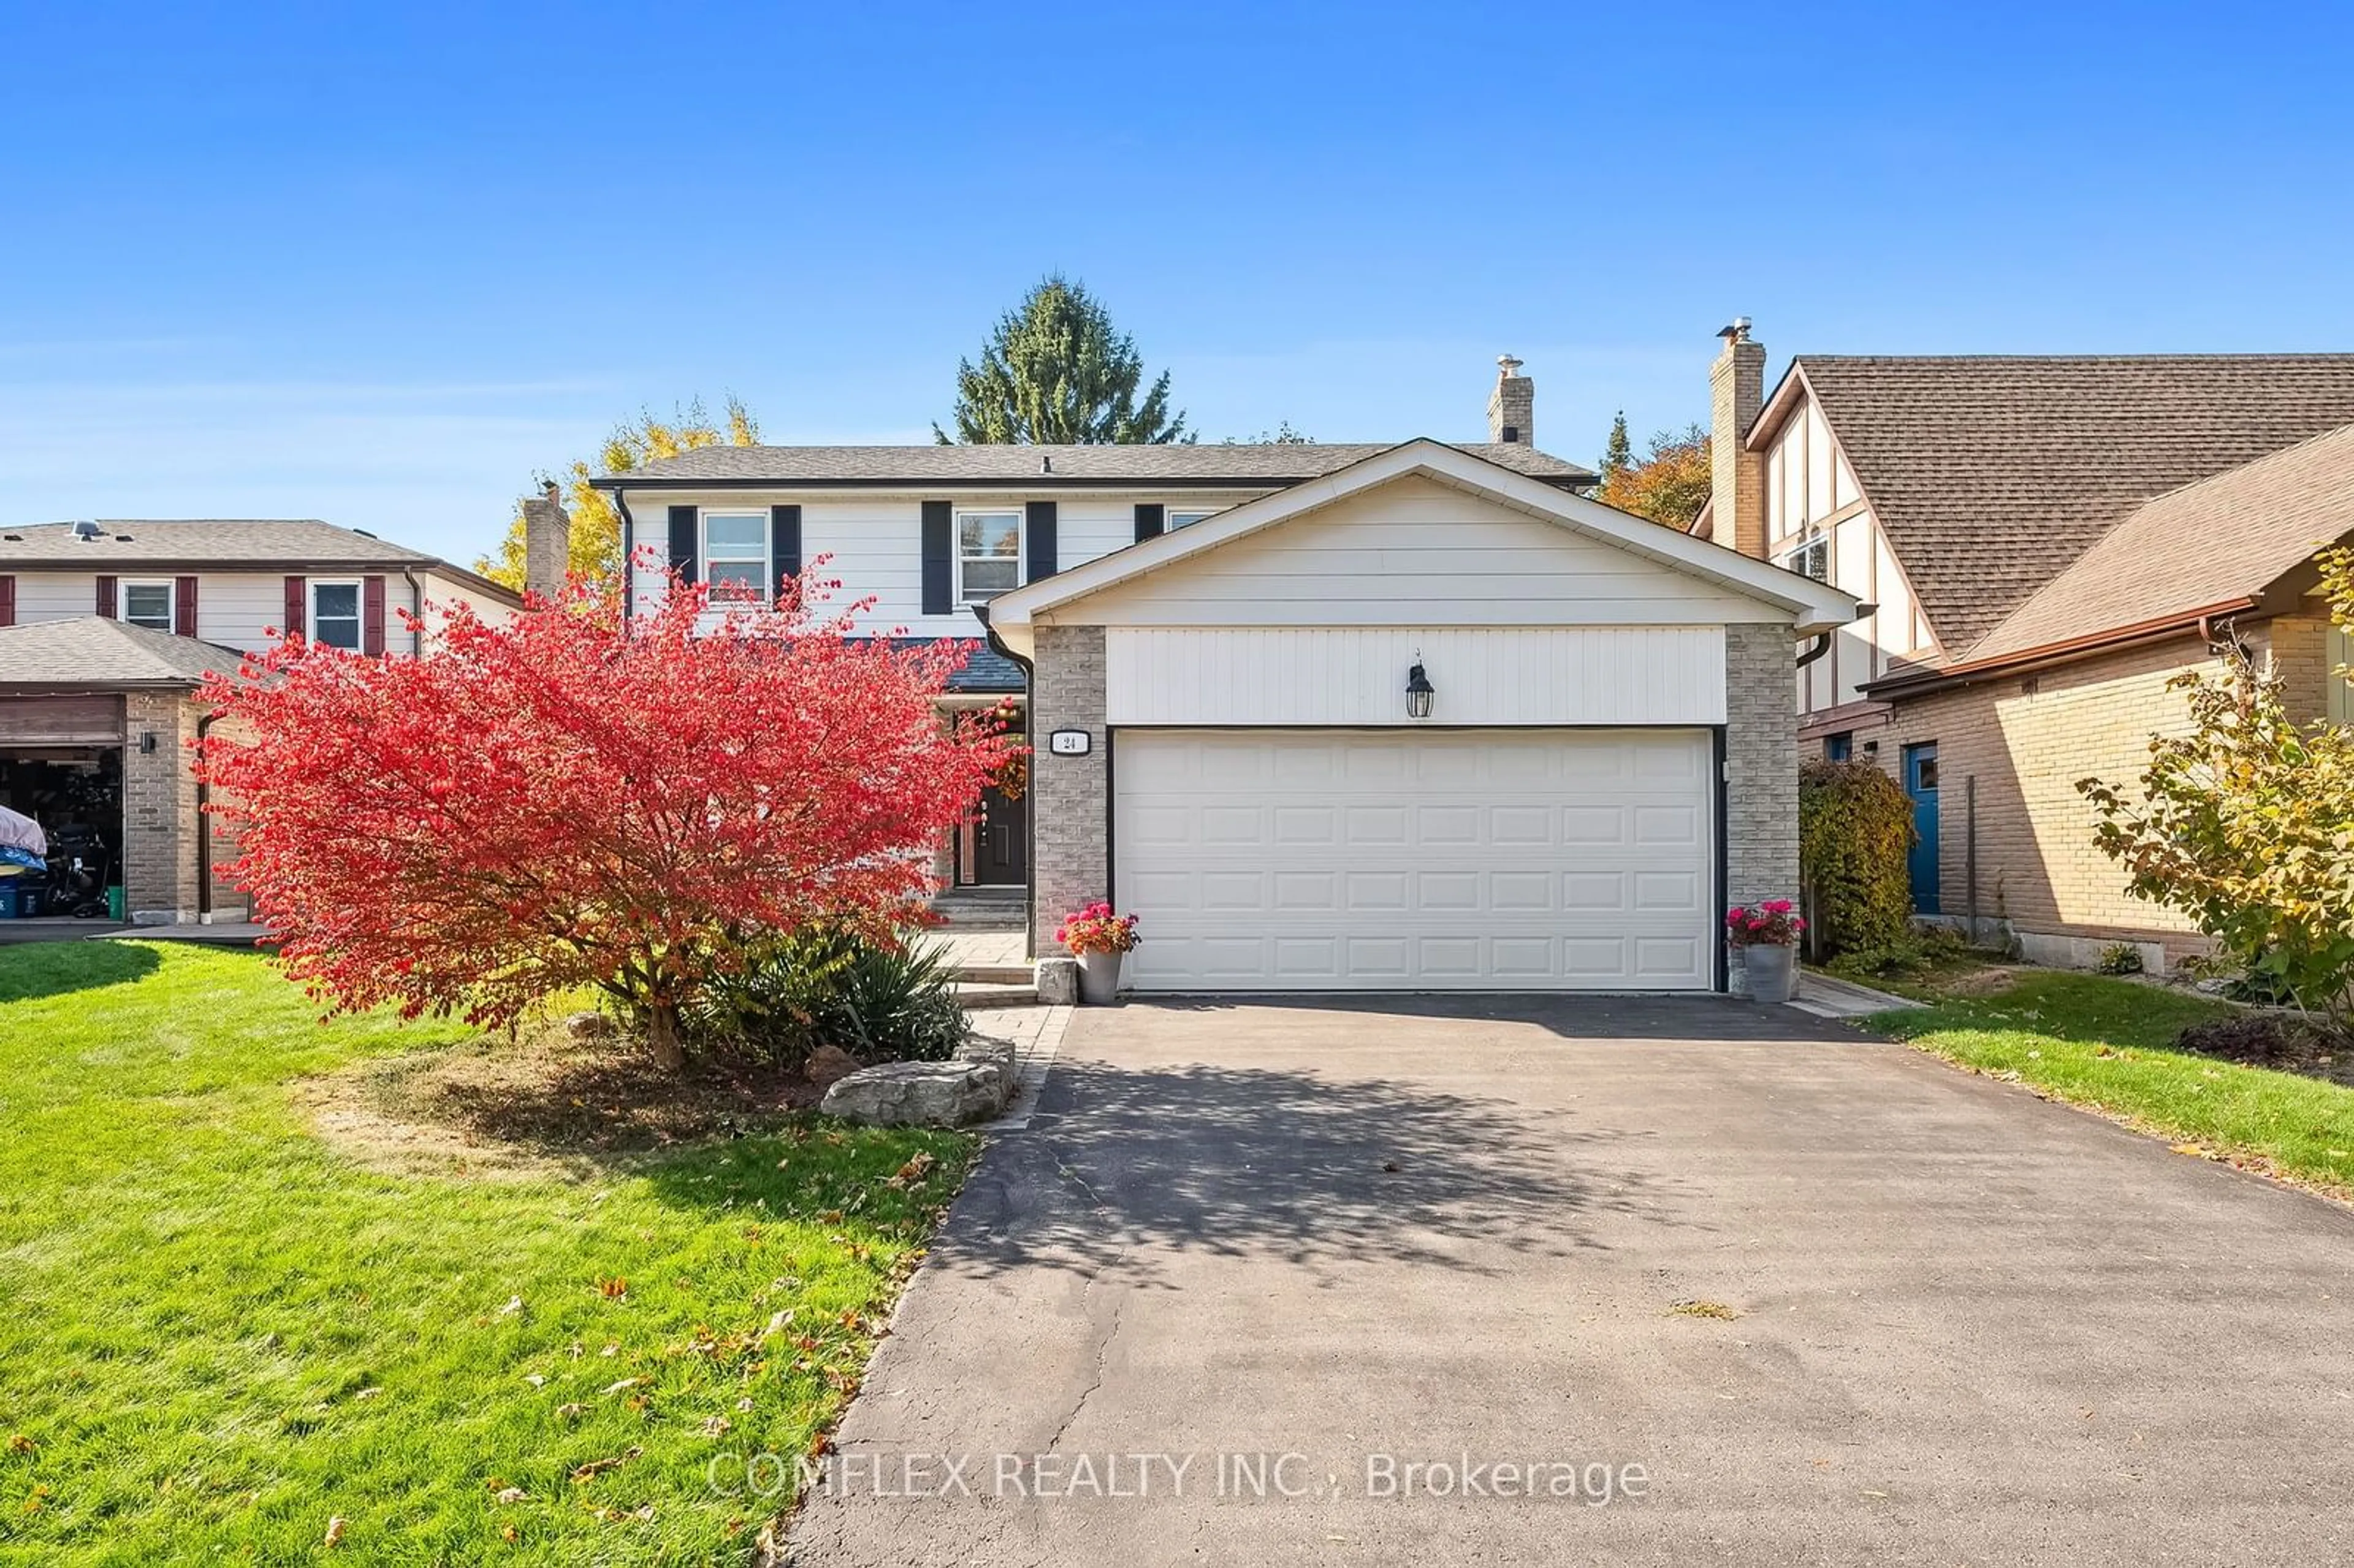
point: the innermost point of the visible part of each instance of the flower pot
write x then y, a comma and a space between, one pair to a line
1099, 978
1773, 971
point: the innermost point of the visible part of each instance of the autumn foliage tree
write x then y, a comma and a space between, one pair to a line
566, 801
1669, 484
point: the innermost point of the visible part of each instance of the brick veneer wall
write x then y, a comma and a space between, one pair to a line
1761, 769
2026, 740
159, 807
1069, 796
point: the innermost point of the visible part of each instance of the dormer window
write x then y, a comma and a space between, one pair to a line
1187, 516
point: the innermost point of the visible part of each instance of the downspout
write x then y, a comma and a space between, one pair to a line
203, 830
629, 552
416, 614
1029, 738
1822, 645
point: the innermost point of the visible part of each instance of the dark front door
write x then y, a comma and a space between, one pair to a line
1921, 783
1000, 851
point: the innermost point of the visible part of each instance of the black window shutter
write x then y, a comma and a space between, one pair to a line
682, 543
1151, 517
785, 542
1038, 526
939, 559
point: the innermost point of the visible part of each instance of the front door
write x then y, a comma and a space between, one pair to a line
1000, 851
1921, 783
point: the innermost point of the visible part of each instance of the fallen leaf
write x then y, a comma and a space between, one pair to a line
536, 1380
511, 1494
627, 1383
514, 1306
335, 1531
919, 1166
570, 1411
612, 1289
599, 1466
369, 1393
508, 1533
717, 1425
20, 1444
1696, 1307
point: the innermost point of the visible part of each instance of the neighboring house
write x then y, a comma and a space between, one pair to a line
931, 534
1408, 717
2047, 542
108, 628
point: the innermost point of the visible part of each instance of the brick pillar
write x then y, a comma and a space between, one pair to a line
1761, 770
160, 822
2297, 647
1736, 385
1070, 796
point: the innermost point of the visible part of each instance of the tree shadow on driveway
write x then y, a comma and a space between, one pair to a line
1121, 1162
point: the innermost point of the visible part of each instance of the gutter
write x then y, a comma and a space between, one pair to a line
2062, 653
417, 610
1023, 481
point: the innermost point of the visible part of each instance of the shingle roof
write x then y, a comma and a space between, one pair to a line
986, 670
2223, 538
202, 540
1244, 466
93, 651
1991, 474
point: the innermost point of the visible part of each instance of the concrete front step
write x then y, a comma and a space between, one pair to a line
970, 994
997, 974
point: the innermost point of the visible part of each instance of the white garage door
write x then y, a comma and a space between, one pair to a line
1415, 860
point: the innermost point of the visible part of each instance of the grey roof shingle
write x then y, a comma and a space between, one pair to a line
203, 541
985, 669
1991, 474
93, 651
2226, 537
1243, 466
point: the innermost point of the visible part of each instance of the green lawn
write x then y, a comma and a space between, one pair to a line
2104, 1045
217, 1334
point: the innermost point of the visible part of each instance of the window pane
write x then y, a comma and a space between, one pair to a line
734, 583
996, 576
1188, 518
148, 604
337, 631
736, 536
331, 599
991, 533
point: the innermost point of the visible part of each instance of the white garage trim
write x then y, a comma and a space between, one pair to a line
1356, 676
1329, 859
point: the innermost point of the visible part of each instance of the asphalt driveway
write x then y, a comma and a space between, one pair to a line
1252, 1260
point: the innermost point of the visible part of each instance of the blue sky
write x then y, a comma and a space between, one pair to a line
380, 266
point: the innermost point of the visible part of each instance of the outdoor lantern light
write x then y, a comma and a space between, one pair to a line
1419, 692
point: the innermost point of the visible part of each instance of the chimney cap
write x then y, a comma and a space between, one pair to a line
551, 488
1506, 367
1735, 331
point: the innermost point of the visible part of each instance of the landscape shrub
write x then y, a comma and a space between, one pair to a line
2120, 958
1855, 829
825, 986
2245, 822
1918, 951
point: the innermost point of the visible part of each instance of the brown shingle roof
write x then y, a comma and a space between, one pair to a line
2223, 538
1245, 466
93, 651
1991, 474
201, 541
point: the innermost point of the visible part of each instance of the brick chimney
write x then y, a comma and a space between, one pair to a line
547, 542
1512, 406
1736, 384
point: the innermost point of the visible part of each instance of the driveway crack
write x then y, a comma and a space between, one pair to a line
1103, 1351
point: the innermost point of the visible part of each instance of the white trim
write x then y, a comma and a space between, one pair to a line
957, 515
171, 602
1813, 607
311, 586
1168, 510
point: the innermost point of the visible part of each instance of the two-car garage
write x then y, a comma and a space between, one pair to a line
1416, 858
1423, 725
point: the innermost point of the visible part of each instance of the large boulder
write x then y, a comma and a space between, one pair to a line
921, 1094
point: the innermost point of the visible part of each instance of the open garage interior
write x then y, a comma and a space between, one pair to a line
1419, 860
75, 793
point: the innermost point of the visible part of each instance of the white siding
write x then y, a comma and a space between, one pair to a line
1850, 566
874, 543
1355, 675
55, 596
1418, 554
1819, 465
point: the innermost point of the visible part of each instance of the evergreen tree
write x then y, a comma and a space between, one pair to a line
1617, 452
1056, 372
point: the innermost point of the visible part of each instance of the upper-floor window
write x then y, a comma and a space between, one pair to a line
736, 556
1811, 559
149, 605
336, 614
989, 555
1187, 516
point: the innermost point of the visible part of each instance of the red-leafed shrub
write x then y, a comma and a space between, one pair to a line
566, 800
